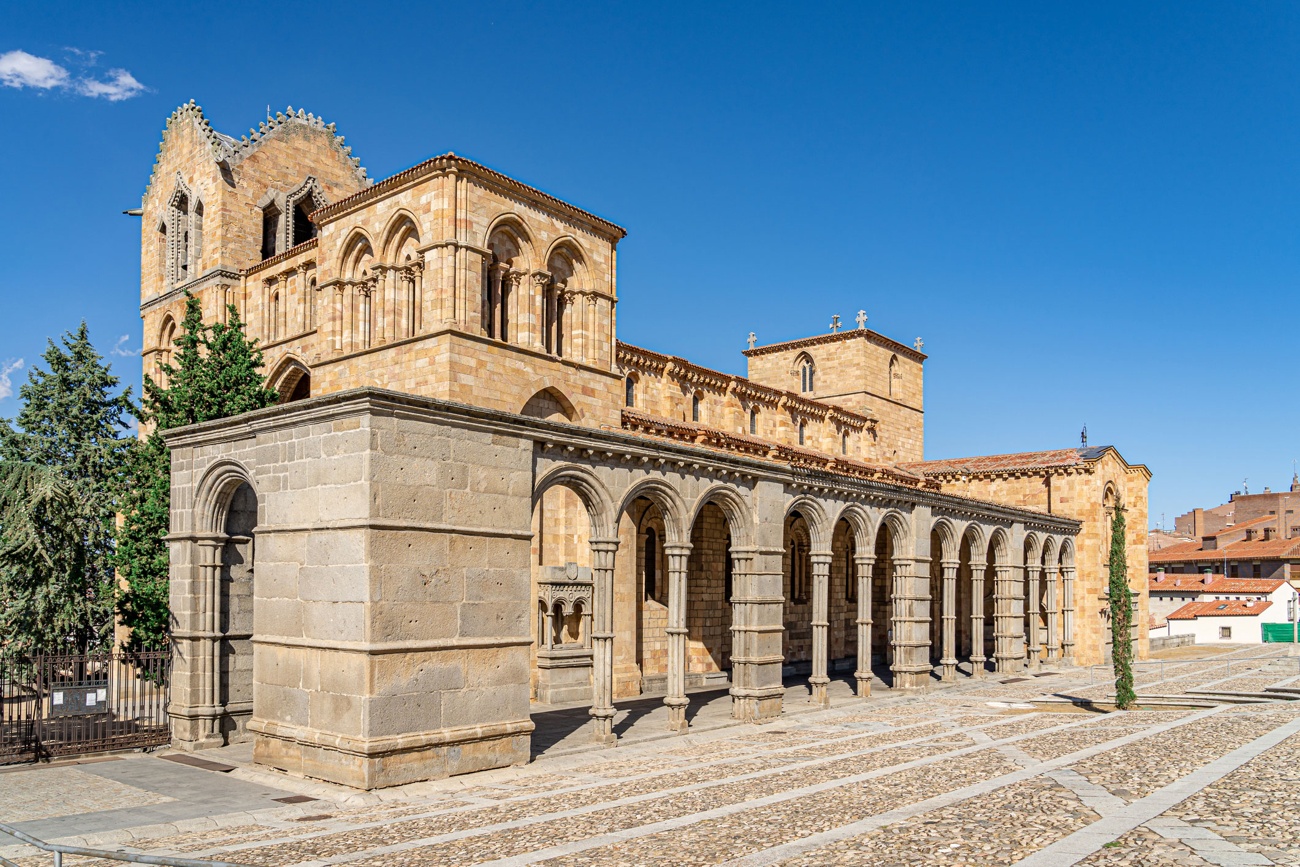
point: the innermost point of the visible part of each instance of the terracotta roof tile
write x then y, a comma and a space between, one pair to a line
1258, 549
1220, 608
1009, 463
1217, 584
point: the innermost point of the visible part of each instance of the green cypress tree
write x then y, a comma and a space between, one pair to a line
59, 593
1121, 613
216, 373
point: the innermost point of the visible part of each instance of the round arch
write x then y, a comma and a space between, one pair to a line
978, 539
290, 373
513, 226
901, 536
670, 504
1067, 552
949, 539
1033, 548
733, 506
353, 253
546, 398
214, 492
402, 226
595, 497
1001, 546
864, 534
814, 515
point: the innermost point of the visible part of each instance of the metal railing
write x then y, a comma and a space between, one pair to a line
1244, 665
62, 705
58, 851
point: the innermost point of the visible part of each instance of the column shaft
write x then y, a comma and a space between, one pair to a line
1053, 609
977, 657
1031, 605
676, 699
863, 674
1067, 640
821, 570
949, 615
602, 640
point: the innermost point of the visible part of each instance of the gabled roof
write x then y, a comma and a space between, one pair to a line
838, 337
1220, 608
230, 151
1020, 462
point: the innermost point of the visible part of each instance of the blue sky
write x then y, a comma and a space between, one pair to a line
1088, 212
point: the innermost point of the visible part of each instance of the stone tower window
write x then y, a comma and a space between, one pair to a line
629, 386
270, 230
894, 375
695, 406
753, 422
807, 374
303, 228
802, 429
844, 443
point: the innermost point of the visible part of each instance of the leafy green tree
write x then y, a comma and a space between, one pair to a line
215, 373
1121, 613
61, 464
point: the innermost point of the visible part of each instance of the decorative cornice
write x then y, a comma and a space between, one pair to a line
636, 358
309, 244
443, 163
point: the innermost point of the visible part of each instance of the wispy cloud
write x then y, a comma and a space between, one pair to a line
121, 350
20, 70
6, 371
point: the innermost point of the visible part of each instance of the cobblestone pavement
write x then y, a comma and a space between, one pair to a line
980, 772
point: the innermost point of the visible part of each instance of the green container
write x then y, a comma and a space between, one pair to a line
1278, 633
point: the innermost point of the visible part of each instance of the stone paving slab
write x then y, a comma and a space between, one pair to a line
960, 775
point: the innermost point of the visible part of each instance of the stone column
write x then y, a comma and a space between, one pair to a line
757, 692
910, 623
865, 563
1031, 605
209, 647
977, 657
548, 640
821, 572
1053, 608
602, 640
1067, 640
1004, 620
537, 311
949, 615
677, 555
496, 310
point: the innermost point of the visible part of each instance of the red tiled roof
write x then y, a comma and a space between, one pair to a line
1004, 463
1219, 608
1217, 584
1257, 549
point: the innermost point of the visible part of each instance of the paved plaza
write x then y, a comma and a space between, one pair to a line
981, 772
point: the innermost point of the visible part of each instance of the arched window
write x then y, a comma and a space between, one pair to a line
753, 421
651, 563
629, 386
275, 316
894, 376
311, 304
303, 228
844, 443
807, 374
695, 406
270, 230
802, 429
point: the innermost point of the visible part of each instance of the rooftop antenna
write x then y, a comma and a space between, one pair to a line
268, 111
1244, 488
1083, 436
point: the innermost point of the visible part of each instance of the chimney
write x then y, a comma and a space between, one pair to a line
1266, 490
1209, 577
1268, 533
1209, 543
1250, 535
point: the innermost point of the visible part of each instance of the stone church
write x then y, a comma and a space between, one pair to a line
473, 497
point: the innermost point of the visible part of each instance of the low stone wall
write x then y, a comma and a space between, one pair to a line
1160, 642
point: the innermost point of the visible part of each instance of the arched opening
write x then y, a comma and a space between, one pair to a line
651, 600
708, 600
563, 586
882, 599
753, 421
803, 429
303, 228
797, 590
695, 407
233, 621
551, 404
629, 389
292, 382
842, 600
270, 230
895, 386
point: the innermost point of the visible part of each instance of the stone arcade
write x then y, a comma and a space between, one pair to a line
473, 496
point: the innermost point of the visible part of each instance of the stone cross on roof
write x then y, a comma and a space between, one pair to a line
918, 343
835, 323
752, 340
862, 319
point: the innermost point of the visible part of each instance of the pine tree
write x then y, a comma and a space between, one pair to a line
58, 582
1121, 613
216, 373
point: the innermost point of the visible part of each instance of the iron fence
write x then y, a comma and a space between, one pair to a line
58, 851
76, 704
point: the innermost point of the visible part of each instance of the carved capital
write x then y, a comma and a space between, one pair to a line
541, 279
